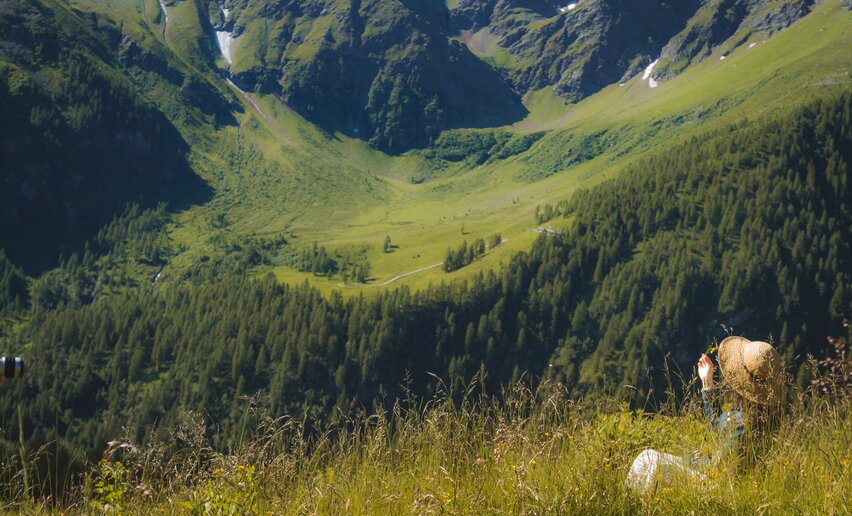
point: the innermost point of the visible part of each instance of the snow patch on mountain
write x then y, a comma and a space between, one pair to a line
165, 11
649, 69
224, 38
652, 82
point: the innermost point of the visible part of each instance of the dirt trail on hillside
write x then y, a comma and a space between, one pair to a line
388, 282
253, 103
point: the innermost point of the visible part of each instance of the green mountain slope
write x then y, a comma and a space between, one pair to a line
397, 73
728, 205
584, 143
748, 227
78, 140
276, 174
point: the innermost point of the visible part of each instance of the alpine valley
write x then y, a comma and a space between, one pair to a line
317, 208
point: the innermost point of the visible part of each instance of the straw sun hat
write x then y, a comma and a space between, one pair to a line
753, 369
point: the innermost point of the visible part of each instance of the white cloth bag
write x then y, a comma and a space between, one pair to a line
651, 467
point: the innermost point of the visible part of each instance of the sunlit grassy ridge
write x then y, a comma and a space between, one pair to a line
530, 452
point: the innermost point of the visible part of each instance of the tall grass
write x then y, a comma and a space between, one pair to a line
525, 452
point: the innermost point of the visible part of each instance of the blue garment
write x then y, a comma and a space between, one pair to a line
723, 422
730, 425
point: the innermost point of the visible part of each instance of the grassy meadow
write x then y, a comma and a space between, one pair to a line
524, 452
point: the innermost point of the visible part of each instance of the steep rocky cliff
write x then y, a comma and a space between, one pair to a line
581, 50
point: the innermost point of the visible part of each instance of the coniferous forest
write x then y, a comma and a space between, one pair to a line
388, 257
747, 227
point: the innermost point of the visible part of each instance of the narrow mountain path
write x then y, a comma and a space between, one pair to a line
253, 103
388, 282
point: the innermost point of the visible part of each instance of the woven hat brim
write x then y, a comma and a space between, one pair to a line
737, 377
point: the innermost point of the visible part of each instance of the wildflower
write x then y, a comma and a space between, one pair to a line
845, 461
547, 434
218, 472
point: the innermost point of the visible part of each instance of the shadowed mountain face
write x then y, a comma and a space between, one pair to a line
717, 20
386, 71
398, 72
77, 142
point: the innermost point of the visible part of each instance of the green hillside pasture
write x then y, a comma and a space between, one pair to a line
281, 174
142, 19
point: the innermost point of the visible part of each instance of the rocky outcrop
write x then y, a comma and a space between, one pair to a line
472, 14
584, 49
718, 20
767, 16
386, 71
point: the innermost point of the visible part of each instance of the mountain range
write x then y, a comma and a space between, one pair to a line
315, 203
398, 73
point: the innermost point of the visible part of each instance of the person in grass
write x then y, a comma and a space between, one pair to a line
753, 374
